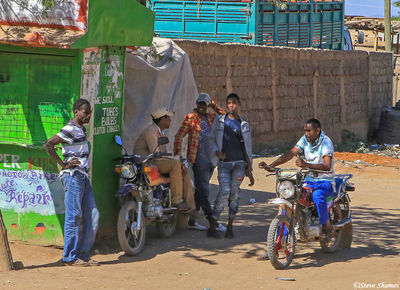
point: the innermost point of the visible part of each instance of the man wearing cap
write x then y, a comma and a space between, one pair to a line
181, 185
198, 126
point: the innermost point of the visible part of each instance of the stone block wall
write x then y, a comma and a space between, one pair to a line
281, 88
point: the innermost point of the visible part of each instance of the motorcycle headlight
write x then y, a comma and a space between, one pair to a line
286, 189
128, 170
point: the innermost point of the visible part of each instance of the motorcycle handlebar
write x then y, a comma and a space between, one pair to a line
123, 157
161, 154
156, 155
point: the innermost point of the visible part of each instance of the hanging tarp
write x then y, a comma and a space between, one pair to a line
43, 23
160, 76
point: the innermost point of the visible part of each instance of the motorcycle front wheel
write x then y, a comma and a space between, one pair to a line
130, 238
281, 242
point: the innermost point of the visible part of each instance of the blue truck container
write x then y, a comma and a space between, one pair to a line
302, 23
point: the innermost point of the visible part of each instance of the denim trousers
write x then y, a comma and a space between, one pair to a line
230, 177
80, 206
322, 191
201, 177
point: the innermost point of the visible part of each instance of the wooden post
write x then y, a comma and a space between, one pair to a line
6, 261
388, 27
376, 41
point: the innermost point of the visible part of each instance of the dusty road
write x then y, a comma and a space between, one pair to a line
190, 260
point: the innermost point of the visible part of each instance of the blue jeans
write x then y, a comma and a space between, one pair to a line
322, 191
201, 176
230, 177
79, 205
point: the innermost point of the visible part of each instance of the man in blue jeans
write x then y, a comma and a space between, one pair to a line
197, 126
79, 198
231, 150
318, 151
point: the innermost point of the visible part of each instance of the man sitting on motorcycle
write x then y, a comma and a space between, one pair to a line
318, 151
181, 185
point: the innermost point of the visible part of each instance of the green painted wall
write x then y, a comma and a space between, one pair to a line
127, 23
106, 123
37, 90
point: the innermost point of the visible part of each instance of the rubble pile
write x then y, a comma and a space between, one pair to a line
351, 143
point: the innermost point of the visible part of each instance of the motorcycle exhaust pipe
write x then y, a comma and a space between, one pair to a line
342, 223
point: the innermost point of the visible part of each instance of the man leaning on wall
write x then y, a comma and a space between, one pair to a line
80, 205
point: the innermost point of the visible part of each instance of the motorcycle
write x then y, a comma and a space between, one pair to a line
297, 219
145, 197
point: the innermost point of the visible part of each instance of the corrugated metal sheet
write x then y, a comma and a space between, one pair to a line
302, 23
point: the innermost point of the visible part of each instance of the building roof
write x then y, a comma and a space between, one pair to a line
369, 23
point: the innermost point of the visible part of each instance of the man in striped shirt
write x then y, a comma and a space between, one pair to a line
79, 199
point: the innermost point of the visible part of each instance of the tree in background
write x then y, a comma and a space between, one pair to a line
396, 4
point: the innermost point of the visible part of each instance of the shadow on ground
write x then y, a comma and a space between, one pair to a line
375, 233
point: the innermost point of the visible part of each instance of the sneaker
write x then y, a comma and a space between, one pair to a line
328, 234
92, 262
221, 228
182, 206
196, 226
77, 263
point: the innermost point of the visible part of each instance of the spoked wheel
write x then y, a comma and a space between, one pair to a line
332, 244
281, 242
131, 239
182, 221
347, 233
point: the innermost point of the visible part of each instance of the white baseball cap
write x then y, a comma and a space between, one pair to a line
161, 113
204, 97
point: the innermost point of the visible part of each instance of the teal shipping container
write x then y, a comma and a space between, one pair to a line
300, 23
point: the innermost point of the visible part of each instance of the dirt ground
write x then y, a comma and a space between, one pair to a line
190, 260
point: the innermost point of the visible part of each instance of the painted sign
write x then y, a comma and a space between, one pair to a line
108, 113
30, 191
68, 14
31, 195
27, 187
39, 23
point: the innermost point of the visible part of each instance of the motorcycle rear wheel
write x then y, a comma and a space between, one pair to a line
130, 239
182, 221
335, 216
347, 236
280, 241
166, 229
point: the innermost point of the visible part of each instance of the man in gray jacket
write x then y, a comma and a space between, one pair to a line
231, 151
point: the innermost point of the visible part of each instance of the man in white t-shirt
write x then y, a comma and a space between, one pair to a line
319, 155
